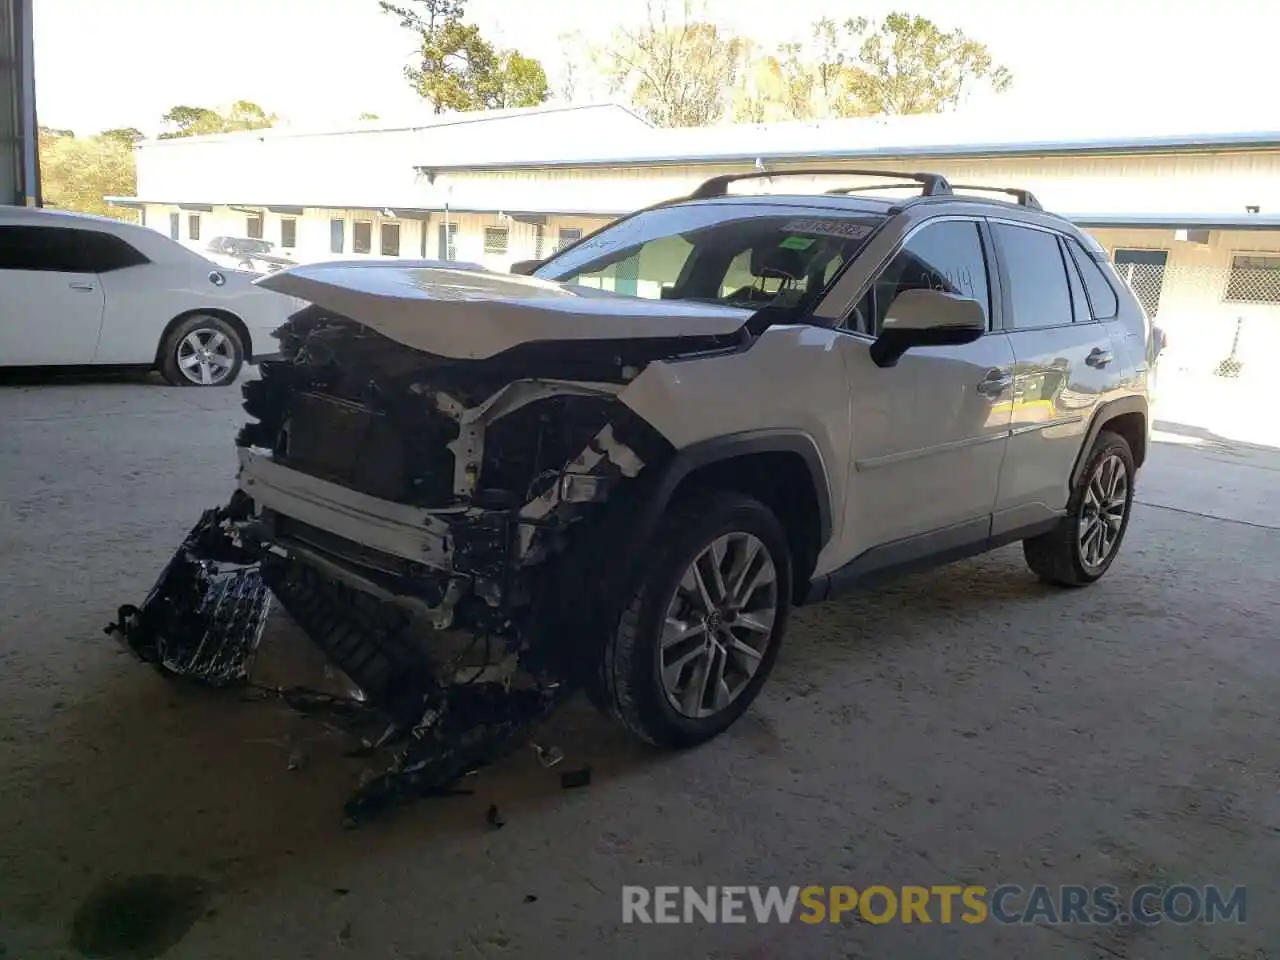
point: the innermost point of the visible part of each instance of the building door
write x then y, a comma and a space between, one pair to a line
174, 220
1143, 270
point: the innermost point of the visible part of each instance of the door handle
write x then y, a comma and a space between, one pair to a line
995, 383
1098, 357
86, 287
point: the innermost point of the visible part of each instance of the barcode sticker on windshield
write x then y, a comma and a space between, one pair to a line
829, 228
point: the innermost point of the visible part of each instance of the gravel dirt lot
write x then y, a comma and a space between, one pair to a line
962, 726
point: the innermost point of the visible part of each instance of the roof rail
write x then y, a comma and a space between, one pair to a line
1025, 198
845, 191
933, 184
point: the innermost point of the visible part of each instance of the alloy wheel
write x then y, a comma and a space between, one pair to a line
718, 625
1102, 512
206, 356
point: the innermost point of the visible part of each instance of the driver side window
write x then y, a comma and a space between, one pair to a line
946, 256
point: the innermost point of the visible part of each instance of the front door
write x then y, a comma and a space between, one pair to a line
929, 433
51, 307
1065, 362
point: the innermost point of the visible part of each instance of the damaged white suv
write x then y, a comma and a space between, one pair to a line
478, 491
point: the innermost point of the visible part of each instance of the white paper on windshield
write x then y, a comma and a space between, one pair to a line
844, 229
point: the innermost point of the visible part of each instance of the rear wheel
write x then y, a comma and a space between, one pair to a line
1084, 544
202, 351
703, 628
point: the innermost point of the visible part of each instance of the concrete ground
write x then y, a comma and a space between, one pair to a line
963, 726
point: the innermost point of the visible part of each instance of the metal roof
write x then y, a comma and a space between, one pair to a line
1177, 221
958, 135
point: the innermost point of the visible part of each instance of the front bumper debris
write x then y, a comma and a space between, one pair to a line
200, 621
205, 617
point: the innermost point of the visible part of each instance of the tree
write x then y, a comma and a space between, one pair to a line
369, 116
676, 70
458, 69
198, 121
125, 135
908, 64
76, 173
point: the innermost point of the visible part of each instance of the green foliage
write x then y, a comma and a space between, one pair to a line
676, 70
77, 172
368, 116
188, 121
907, 64
458, 69
126, 135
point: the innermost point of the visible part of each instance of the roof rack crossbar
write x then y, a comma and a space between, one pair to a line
845, 191
1025, 198
932, 184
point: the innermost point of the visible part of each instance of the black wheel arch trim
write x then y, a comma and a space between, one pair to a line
1104, 415
687, 460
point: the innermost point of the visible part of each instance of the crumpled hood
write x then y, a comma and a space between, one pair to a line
466, 314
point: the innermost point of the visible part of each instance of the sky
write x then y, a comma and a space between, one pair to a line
117, 63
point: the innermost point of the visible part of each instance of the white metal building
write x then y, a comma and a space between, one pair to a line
1193, 217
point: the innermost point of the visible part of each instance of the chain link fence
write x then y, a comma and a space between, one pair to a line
1222, 322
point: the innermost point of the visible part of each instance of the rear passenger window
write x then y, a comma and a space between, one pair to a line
104, 252
1037, 277
946, 256
1079, 302
1102, 296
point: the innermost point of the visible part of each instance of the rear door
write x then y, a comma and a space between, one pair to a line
51, 302
1064, 363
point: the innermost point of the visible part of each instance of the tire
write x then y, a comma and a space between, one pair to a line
221, 365
1060, 556
634, 688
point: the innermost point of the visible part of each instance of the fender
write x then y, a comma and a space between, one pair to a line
717, 449
1105, 413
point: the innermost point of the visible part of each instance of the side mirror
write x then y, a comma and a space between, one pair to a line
927, 318
525, 267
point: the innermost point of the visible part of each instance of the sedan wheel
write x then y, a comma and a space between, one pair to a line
206, 356
202, 351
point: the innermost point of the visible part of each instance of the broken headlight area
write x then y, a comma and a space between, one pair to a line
417, 518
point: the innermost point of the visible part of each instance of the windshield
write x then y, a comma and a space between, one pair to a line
746, 255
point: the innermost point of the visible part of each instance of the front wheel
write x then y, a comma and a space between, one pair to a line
703, 628
202, 351
1082, 547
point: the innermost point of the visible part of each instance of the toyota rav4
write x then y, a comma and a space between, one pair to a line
619, 469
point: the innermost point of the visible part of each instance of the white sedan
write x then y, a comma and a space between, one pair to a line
81, 290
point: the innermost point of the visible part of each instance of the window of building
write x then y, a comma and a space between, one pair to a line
389, 239
447, 242
288, 232
337, 235
362, 236
1102, 296
174, 220
253, 226
1143, 271
539, 240
566, 236
496, 239
945, 256
193, 226
1037, 277
1254, 278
